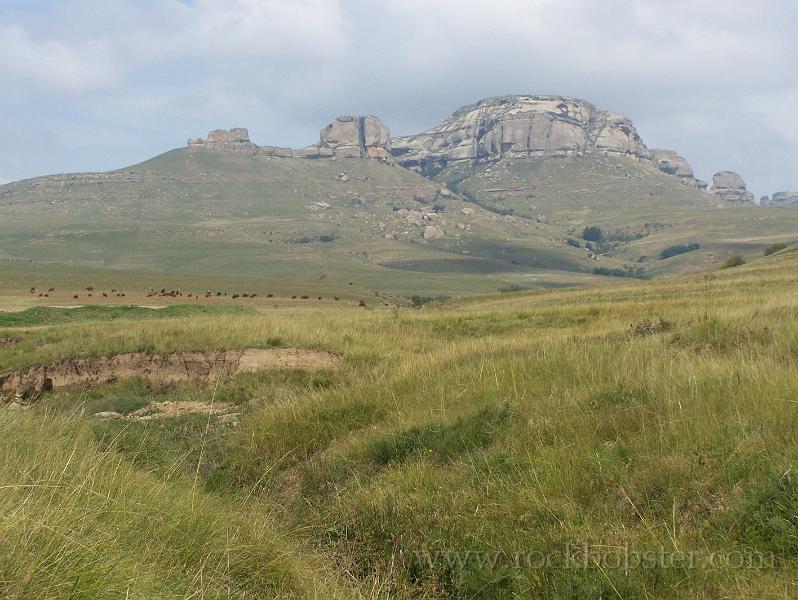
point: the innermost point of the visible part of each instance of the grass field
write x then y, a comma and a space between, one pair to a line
626, 441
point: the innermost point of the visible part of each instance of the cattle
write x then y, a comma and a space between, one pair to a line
337, 298
90, 289
270, 295
75, 297
47, 295
41, 295
293, 297
89, 294
163, 290
245, 295
361, 303
105, 295
51, 290
33, 290
305, 297
235, 295
114, 290
319, 297
122, 294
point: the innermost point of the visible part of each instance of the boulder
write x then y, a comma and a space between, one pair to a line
432, 232
729, 187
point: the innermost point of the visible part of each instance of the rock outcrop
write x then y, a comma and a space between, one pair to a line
353, 137
233, 140
521, 126
671, 163
781, 199
730, 187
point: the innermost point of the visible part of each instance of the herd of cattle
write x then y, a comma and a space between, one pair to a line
178, 293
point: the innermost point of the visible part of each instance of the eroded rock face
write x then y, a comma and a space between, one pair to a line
730, 187
671, 163
781, 199
521, 126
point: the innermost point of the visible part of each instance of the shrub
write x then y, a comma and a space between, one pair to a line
733, 261
774, 248
634, 273
678, 249
593, 234
574, 242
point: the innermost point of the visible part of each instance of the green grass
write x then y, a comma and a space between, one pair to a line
458, 444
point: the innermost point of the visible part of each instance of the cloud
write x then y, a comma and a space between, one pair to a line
712, 79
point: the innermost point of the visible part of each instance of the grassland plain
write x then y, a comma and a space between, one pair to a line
505, 446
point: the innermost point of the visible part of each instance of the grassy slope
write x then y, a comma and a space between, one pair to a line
515, 423
227, 214
626, 197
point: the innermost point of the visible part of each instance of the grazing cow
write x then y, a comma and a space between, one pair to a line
123, 294
319, 297
33, 290
90, 289
75, 297
270, 295
218, 293
253, 295
114, 290
337, 298
361, 303
305, 297
47, 295
293, 297
89, 294
105, 295
163, 290
245, 295
51, 290
41, 295
235, 295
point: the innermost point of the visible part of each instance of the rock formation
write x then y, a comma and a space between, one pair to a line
781, 199
353, 137
233, 140
671, 163
521, 126
730, 187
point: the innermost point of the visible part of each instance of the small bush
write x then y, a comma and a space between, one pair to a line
678, 249
593, 234
774, 248
733, 261
632, 272
574, 242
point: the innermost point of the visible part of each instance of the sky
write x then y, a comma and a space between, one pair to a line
91, 85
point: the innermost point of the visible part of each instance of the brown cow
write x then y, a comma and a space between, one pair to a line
337, 298
105, 295
305, 297
75, 297
361, 303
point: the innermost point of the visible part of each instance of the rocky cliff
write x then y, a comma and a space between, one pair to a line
522, 126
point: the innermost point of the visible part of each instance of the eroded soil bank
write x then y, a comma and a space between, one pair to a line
28, 384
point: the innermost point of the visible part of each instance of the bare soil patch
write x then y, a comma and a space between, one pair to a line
159, 369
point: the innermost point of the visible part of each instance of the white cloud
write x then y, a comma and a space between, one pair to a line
713, 79
29, 66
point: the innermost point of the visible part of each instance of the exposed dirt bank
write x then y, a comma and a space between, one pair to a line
28, 384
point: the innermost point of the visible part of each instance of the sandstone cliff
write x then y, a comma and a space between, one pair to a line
521, 126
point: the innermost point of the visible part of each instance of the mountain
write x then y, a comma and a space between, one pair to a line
498, 196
